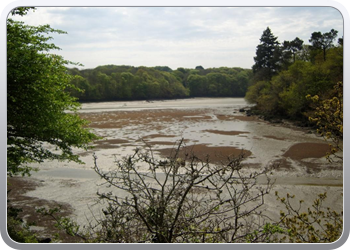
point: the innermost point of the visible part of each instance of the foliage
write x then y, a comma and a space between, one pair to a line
17, 229
266, 55
62, 223
284, 94
21, 11
323, 41
329, 120
293, 47
111, 82
268, 234
316, 224
40, 112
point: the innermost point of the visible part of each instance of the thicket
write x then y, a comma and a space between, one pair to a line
282, 81
38, 125
112, 82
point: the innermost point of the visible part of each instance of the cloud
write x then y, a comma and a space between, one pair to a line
178, 36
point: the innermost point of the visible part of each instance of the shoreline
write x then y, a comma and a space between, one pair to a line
207, 129
43, 227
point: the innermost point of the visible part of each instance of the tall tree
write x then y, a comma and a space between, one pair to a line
42, 122
267, 56
323, 41
293, 46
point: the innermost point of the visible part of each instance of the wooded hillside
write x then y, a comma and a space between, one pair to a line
285, 74
112, 83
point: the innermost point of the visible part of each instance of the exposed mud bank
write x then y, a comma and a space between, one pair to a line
43, 226
215, 155
210, 128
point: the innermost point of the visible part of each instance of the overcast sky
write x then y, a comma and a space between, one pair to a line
177, 36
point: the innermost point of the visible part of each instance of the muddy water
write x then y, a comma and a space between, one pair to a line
213, 127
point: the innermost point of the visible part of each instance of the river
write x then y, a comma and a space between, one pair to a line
213, 126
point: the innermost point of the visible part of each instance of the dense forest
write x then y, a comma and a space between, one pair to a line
112, 83
286, 75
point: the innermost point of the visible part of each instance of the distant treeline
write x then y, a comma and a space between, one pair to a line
112, 83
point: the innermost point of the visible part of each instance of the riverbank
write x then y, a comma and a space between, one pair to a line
42, 226
213, 127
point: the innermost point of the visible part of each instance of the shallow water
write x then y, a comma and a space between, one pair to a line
214, 124
164, 104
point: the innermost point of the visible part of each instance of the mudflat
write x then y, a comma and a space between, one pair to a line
209, 127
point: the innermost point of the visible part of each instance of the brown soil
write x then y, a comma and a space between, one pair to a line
119, 119
167, 143
215, 155
113, 143
220, 132
225, 117
44, 225
157, 136
301, 151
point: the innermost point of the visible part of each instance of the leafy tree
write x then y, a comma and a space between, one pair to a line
42, 122
163, 68
323, 41
329, 120
292, 47
198, 85
112, 82
284, 94
21, 11
254, 91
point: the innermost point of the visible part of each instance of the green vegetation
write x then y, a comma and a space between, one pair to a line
42, 122
191, 200
17, 229
316, 224
38, 101
112, 83
329, 121
285, 75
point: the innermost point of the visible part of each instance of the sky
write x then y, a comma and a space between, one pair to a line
177, 36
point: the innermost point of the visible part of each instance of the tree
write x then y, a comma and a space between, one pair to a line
181, 199
323, 41
267, 56
283, 95
197, 84
42, 119
199, 67
328, 117
293, 46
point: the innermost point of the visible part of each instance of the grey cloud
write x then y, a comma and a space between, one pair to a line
180, 31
